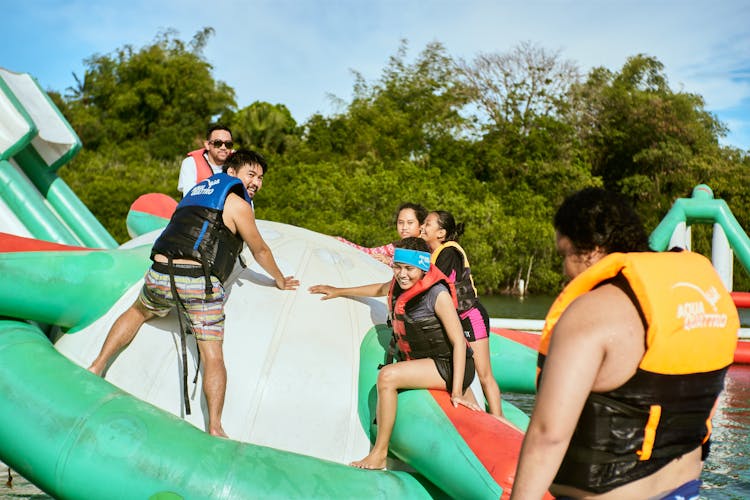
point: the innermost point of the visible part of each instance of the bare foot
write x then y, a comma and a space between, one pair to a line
371, 462
218, 433
95, 371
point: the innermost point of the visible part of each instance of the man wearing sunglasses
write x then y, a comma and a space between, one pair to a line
207, 161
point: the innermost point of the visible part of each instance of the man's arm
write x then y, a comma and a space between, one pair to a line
188, 174
242, 217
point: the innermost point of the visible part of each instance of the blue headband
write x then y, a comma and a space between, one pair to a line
413, 258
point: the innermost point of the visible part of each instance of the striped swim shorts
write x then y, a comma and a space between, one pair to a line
204, 312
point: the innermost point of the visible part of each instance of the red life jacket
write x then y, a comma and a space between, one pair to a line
425, 337
202, 168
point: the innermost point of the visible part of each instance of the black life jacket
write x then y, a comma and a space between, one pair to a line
419, 338
466, 293
197, 231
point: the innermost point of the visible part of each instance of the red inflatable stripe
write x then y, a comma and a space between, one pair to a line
496, 445
529, 339
157, 204
13, 243
742, 354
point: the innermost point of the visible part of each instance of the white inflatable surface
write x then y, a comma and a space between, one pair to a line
292, 360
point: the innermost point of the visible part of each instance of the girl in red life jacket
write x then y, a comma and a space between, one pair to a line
429, 336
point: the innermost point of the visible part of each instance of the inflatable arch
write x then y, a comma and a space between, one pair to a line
728, 235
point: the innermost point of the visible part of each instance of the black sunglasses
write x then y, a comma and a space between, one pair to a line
217, 143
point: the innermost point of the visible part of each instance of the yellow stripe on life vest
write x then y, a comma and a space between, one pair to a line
649, 433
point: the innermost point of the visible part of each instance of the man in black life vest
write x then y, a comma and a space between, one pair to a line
193, 257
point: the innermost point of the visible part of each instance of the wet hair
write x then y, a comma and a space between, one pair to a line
446, 221
217, 126
419, 211
244, 157
413, 243
594, 217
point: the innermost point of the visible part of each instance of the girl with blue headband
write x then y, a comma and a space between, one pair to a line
427, 329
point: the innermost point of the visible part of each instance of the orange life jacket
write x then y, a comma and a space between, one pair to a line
664, 410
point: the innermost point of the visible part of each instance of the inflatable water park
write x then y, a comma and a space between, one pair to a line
300, 397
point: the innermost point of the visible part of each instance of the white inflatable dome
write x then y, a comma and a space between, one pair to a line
292, 360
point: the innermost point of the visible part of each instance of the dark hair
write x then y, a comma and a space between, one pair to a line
244, 157
419, 211
413, 243
594, 217
446, 221
217, 126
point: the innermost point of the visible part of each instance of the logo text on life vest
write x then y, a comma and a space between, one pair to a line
202, 188
694, 313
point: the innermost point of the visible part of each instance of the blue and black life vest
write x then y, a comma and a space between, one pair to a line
197, 231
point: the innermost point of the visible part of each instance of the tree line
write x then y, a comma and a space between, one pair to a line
498, 140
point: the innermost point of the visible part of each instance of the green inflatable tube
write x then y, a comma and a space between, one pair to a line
28, 205
513, 365
66, 281
702, 208
78, 437
422, 435
68, 206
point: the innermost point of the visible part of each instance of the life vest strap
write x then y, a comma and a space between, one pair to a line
184, 327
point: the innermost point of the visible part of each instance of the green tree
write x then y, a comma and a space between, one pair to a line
161, 96
516, 88
410, 109
643, 139
266, 127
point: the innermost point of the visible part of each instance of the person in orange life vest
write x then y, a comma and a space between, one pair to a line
207, 161
429, 337
631, 362
409, 218
441, 233
193, 264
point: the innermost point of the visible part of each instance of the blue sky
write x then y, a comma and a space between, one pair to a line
300, 52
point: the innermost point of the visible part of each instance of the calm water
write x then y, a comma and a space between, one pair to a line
726, 474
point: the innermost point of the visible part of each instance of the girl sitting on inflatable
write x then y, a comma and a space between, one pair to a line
428, 333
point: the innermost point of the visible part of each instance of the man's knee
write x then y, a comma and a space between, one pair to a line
211, 351
141, 310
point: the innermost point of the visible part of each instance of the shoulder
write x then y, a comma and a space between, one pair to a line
602, 315
448, 258
188, 162
235, 202
435, 290
451, 252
